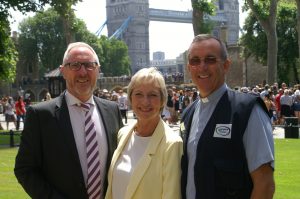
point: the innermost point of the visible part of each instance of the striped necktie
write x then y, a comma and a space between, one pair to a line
93, 159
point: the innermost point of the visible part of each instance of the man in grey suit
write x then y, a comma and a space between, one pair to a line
52, 159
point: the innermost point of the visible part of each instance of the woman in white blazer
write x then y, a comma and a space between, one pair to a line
146, 163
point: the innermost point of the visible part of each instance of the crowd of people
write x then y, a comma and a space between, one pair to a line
281, 101
13, 111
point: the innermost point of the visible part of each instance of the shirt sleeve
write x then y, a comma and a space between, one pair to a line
258, 139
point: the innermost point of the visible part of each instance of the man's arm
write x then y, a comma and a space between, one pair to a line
259, 147
263, 182
29, 161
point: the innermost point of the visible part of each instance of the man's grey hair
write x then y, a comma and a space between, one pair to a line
202, 37
79, 44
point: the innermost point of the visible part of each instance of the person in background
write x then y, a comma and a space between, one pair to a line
67, 142
278, 106
20, 111
170, 105
27, 100
296, 105
146, 164
186, 99
229, 148
286, 102
47, 97
9, 111
123, 104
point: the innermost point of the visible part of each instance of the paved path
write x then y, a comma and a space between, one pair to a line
278, 132
11, 125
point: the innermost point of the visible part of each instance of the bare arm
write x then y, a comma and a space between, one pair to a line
263, 182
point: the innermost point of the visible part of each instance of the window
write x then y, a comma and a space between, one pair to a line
221, 4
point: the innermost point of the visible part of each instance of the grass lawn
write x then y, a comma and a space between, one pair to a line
9, 187
287, 168
287, 172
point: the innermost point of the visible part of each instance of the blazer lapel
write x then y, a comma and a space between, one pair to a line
145, 160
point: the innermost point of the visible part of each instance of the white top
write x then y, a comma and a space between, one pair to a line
9, 109
132, 152
77, 117
122, 102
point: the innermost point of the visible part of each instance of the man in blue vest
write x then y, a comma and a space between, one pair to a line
228, 142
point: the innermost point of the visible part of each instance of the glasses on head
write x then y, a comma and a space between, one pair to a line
196, 61
75, 66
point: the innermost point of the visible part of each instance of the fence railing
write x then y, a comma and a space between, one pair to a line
8, 138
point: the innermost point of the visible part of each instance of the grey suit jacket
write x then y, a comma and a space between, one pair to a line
47, 164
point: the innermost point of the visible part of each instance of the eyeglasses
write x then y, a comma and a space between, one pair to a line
196, 61
75, 66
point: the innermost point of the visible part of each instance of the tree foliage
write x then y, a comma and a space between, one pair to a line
255, 41
62, 6
200, 9
115, 59
8, 54
43, 34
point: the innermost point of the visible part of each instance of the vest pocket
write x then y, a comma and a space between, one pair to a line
229, 177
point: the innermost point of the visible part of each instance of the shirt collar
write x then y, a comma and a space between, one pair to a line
72, 100
215, 95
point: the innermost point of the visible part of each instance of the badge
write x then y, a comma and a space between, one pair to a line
223, 131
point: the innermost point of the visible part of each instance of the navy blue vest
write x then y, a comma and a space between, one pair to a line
221, 170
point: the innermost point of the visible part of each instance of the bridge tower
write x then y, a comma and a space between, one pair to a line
228, 12
136, 36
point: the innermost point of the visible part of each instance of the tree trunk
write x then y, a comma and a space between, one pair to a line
272, 55
269, 26
295, 72
197, 19
67, 29
64, 9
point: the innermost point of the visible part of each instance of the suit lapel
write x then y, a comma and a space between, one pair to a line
65, 126
107, 123
145, 160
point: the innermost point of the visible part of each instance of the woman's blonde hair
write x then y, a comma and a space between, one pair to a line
148, 75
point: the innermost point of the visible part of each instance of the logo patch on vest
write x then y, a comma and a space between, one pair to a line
223, 131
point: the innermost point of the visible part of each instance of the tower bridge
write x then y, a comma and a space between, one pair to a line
170, 15
136, 33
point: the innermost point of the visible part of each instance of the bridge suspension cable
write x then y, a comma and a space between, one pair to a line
118, 33
98, 32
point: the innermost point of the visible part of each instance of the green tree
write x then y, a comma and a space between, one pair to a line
200, 9
255, 41
298, 27
265, 11
8, 54
62, 6
65, 11
44, 35
42, 45
115, 59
